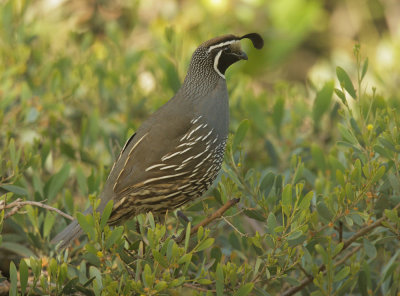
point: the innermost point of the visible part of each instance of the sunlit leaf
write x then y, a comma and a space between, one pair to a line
345, 81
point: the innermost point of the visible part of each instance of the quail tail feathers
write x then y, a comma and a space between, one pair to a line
68, 235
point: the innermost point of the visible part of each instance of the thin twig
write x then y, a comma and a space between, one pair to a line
234, 228
209, 219
322, 268
16, 205
366, 229
346, 244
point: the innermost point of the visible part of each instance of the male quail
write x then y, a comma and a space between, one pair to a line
176, 154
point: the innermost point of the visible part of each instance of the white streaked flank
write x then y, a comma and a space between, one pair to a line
154, 166
164, 177
180, 167
127, 159
186, 144
168, 156
206, 136
187, 159
186, 150
159, 198
195, 120
190, 134
203, 161
200, 154
168, 167
184, 186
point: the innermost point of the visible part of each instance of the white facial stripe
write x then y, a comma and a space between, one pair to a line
222, 44
216, 60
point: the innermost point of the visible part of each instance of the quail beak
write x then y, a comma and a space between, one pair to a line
242, 55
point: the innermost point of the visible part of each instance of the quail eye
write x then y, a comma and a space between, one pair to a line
228, 50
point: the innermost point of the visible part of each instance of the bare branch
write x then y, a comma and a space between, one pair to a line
211, 218
310, 279
347, 243
16, 205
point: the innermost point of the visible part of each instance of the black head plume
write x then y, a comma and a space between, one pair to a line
220, 53
255, 38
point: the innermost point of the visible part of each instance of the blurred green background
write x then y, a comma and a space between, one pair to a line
78, 77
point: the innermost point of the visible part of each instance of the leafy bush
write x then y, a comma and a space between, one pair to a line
317, 179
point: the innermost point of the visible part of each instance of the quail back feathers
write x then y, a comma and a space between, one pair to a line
176, 154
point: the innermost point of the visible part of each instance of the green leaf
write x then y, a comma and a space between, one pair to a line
296, 238
379, 174
345, 81
338, 248
306, 201
323, 211
295, 235
387, 144
14, 279
204, 244
56, 182
347, 135
392, 215
369, 249
341, 96
69, 286
151, 220
15, 189
279, 229
320, 249
23, 275
82, 181
17, 248
355, 126
185, 258
147, 276
364, 68
106, 214
383, 152
204, 281
87, 224
219, 280
287, 199
391, 266
187, 236
177, 282
278, 112
254, 214
322, 101
48, 223
342, 274
160, 258
161, 285
318, 156
240, 133
115, 235
1, 220
96, 274
271, 222
172, 75
244, 290
267, 183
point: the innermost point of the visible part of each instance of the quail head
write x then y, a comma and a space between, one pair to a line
176, 154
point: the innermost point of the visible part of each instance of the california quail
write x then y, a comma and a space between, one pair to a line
176, 154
